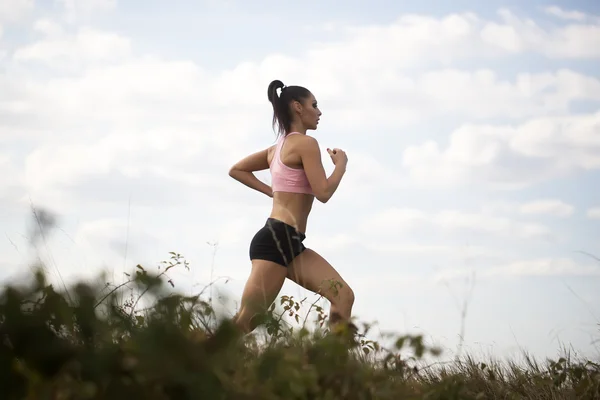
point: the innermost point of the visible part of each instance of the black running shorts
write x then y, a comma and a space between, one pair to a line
277, 242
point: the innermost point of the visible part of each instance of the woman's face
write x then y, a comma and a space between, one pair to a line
310, 113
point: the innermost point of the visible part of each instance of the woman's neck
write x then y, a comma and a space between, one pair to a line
297, 127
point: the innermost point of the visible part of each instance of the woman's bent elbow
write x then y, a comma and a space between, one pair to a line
323, 198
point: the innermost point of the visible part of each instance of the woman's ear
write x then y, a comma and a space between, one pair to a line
297, 107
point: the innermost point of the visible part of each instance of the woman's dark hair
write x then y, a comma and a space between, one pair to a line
281, 104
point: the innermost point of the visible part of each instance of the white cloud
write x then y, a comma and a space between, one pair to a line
62, 50
482, 94
117, 235
548, 206
406, 220
593, 213
509, 157
366, 176
414, 39
525, 268
573, 15
135, 87
10, 179
48, 28
107, 245
132, 98
14, 10
182, 93
439, 250
516, 35
79, 9
395, 98
154, 166
539, 207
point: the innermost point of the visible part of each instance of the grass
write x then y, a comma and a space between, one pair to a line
84, 342
141, 340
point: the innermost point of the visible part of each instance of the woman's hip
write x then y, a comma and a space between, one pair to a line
277, 241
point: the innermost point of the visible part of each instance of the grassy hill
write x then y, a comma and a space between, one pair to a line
86, 343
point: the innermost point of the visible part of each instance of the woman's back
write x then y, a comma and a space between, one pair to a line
292, 194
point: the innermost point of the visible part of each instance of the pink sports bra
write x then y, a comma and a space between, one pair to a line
284, 178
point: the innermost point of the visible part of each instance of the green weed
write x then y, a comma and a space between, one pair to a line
84, 343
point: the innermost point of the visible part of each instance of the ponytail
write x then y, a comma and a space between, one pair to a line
281, 104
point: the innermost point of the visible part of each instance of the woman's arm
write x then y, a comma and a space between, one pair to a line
243, 171
322, 186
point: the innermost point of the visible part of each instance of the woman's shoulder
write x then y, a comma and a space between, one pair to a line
270, 153
305, 140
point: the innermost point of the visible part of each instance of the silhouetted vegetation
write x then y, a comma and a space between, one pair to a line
143, 340
90, 345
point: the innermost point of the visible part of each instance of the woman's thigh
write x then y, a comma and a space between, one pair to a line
264, 283
313, 272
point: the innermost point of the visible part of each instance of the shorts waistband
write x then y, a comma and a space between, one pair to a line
274, 221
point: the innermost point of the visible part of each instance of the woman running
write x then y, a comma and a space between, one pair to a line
276, 250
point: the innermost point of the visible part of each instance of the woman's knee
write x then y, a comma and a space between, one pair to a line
343, 296
248, 319
341, 305
348, 297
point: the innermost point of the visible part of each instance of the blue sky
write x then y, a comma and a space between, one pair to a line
472, 132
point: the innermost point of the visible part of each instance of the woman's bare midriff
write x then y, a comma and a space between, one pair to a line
292, 208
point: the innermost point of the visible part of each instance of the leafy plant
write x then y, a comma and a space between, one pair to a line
92, 342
